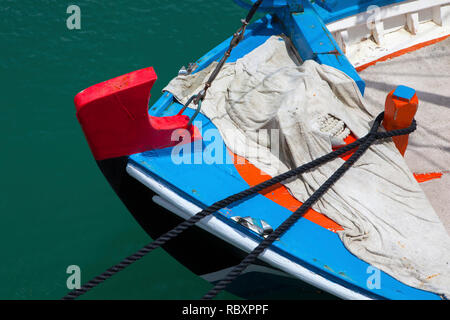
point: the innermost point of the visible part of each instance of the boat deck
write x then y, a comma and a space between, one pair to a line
427, 70
314, 252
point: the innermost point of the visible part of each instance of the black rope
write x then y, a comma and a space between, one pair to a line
363, 145
253, 10
288, 223
235, 40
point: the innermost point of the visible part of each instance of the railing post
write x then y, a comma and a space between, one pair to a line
400, 109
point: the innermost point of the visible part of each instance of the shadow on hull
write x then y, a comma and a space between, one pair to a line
198, 250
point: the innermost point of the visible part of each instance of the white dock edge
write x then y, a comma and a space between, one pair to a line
381, 31
185, 209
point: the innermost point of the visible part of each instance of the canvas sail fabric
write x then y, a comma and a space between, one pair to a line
387, 220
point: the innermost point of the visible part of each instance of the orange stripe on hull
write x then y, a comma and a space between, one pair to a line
422, 177
401, 52
279, 193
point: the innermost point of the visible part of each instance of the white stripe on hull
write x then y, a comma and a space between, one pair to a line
185, 209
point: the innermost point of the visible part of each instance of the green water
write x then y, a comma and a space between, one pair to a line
56, 207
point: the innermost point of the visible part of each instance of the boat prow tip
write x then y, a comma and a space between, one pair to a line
114, 117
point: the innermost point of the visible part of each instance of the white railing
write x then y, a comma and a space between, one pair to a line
378, 21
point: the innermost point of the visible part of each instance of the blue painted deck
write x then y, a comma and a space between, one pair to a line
307, 243
312, 39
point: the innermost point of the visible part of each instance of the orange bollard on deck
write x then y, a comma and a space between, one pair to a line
400, 109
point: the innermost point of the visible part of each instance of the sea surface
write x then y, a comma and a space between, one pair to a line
56, 207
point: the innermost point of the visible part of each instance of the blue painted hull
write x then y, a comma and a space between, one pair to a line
308, 244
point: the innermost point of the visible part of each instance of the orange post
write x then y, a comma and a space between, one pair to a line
400, 109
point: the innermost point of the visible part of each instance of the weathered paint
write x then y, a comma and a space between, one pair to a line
312, 40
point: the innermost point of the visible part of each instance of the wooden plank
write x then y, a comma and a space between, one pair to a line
412, 22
